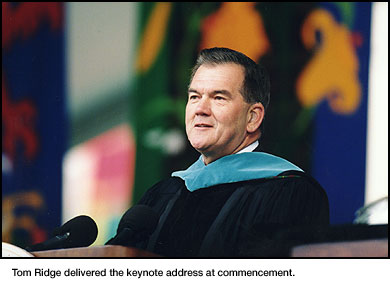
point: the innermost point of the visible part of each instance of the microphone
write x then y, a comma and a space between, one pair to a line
135, 226
80, 231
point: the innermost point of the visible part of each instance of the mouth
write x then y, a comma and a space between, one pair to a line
203, 125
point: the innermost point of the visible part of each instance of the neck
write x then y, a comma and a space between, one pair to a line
249, 148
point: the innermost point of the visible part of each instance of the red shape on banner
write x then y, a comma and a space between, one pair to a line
24, 20
18, 120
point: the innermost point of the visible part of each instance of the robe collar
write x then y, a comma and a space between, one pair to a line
233, 168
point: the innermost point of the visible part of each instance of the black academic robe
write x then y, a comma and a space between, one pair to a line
226, 220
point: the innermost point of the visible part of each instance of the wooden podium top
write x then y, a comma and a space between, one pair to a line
365, 248
108, 251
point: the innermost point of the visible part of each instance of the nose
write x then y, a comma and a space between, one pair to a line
203, 107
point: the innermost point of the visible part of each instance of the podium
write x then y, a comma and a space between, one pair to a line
107, 251
354, 249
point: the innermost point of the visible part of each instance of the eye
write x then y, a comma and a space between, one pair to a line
193, 96
219, 97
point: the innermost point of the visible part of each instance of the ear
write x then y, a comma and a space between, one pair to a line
255, 117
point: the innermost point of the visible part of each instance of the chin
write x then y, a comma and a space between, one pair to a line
200, 147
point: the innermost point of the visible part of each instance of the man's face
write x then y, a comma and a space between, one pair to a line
216, 113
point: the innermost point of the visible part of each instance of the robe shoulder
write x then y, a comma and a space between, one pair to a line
161, 193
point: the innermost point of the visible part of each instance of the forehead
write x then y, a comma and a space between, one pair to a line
228, 76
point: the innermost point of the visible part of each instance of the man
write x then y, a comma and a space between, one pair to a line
233, 192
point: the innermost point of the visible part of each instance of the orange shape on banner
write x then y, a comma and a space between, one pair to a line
153, 36
332, 74
11, 221
238, 26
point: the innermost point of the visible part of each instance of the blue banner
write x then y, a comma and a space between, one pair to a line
33, 120
340, 122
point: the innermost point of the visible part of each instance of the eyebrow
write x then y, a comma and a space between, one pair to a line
219, 91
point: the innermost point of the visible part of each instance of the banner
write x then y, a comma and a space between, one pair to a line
33, 120
334, 83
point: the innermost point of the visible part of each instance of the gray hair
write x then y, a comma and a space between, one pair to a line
256, 86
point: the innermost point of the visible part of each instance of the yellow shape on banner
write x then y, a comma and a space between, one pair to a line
332, 74
153, 36
10, 221
236, 25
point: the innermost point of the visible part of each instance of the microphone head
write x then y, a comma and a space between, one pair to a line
139, 218
82, 229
